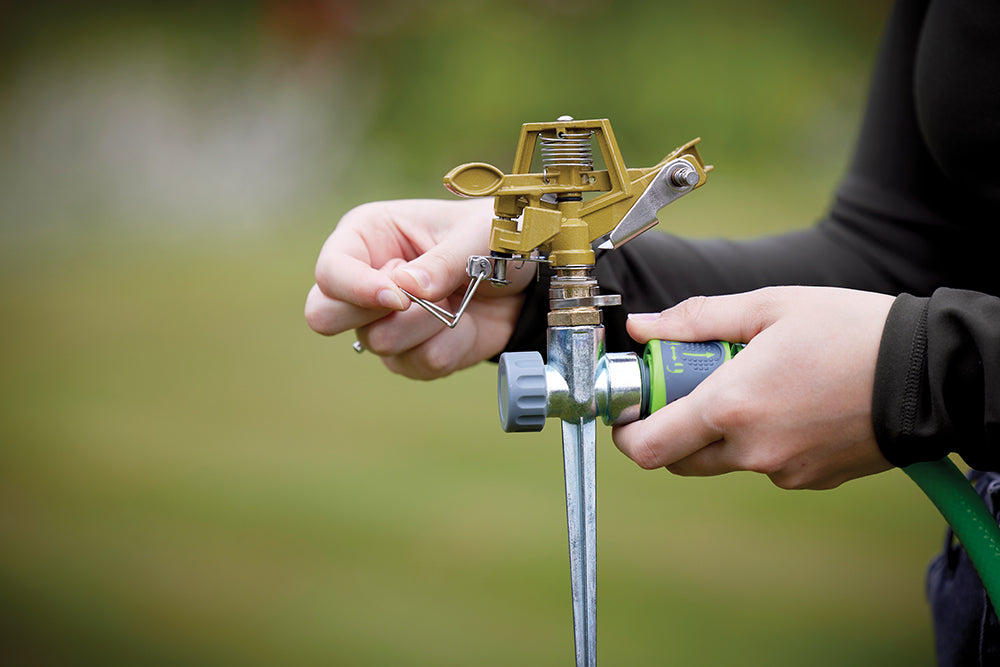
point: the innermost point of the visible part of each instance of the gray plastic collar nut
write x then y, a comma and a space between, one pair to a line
521, 391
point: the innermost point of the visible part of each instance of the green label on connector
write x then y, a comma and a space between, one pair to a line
675, 368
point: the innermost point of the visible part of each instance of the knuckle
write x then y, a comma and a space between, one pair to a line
643, 451
441, 264
437, 361
790, 481
311, 306
679, 469
316, 316
646, 460
734, 408
409, 367
381, 340
782, 482
397, 366
321, 275
692, 307
364, 214
766, 462
315, 320
762, 307
804, 476
447, 273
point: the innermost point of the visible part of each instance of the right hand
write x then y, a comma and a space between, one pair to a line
422, 246
795, 404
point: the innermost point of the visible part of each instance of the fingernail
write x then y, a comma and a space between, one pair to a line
389, 299
643, 317
421, 277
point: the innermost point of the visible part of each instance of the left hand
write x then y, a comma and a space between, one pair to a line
795, 404
422, 246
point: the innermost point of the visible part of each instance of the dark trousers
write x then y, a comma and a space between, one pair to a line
966, 629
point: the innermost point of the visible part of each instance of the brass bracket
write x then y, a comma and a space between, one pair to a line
562, 209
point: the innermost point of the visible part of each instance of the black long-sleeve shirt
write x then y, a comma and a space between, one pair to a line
918, 212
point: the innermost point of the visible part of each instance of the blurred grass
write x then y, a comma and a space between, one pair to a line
190, 476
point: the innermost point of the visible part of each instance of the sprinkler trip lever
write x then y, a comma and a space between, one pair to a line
557, 215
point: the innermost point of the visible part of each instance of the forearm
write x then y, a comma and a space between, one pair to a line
656, 271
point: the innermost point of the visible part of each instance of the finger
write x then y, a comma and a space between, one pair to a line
438, 356
482, 336
371, 234
330, 316
399, 332
344, 278
442, 269
670, 434
733, 317
352, 263
712, 459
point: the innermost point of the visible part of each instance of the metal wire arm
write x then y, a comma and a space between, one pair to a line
479, 269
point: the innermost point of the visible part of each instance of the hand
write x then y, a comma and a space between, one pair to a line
422, 246
795, 404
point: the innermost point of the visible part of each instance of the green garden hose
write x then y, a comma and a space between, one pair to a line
969, 518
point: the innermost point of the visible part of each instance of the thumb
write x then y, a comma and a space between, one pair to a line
438, 272
734, 317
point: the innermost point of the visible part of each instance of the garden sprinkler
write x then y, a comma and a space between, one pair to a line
555, 216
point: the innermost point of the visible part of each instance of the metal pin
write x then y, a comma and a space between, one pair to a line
683, 177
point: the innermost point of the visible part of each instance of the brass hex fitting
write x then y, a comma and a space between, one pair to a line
575, 317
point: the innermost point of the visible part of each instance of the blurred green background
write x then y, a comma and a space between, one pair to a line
188, 475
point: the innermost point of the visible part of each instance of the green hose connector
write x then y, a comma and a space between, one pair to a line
961, 507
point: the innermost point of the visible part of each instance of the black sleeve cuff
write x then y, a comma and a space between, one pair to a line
937, 389
900, 389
